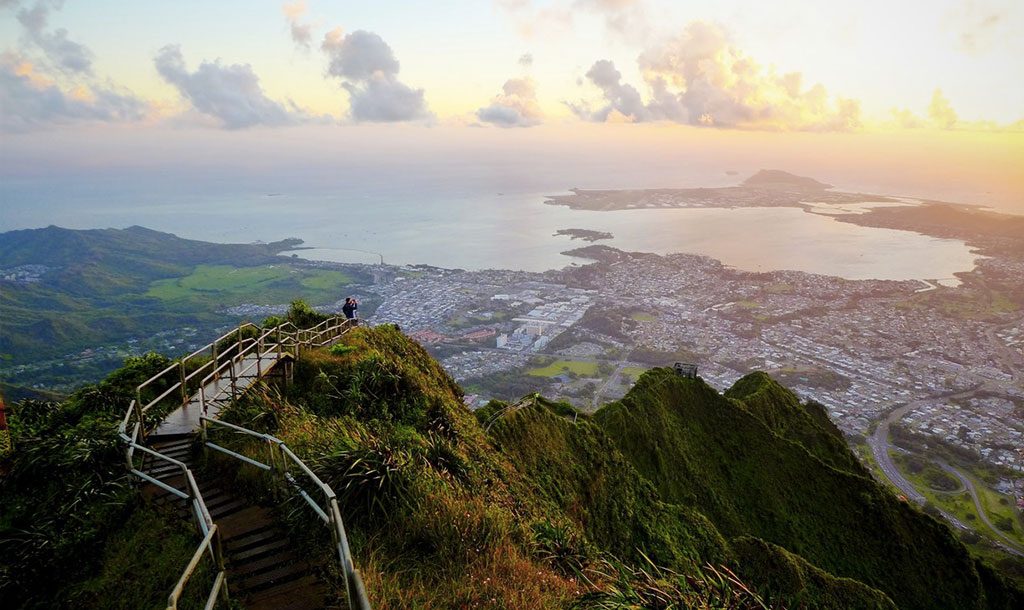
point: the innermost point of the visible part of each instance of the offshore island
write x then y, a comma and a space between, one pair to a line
584, 234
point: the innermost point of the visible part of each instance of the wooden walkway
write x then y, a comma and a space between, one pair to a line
250, 551
185, 419
266, 569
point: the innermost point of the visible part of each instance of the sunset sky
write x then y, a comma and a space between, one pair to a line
558, 67
738, 63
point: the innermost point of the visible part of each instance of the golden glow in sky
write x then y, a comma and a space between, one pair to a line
919, 77
787, 65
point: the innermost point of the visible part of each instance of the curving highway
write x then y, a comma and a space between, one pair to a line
1006, 543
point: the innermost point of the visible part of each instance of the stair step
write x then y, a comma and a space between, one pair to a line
162, 467
216, 496
183, 445
224, 509
303, 594
182, 455
273, 578
263, 564
253, 540
274, 546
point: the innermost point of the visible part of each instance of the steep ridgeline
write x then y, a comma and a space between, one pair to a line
676, 496
763, 468
675, 475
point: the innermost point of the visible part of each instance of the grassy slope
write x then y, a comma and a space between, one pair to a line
110, 285
718, 455
660, 473
71, 523
444, 513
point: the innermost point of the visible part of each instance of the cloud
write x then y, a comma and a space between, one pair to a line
302, 33
621, 99
66, 54
359, 55
700, 78
980, 25
368, 69
525, 60
33, 101
232, 94
516, 106
941, 112
624, 17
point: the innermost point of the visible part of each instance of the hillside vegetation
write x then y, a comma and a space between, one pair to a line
539, 506
99, 289
676, 496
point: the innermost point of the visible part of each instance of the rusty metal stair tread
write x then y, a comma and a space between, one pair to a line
278, 557
240, 557
272, 578
303, 594
227, 508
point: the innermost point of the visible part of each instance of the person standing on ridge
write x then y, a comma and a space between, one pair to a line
350, 307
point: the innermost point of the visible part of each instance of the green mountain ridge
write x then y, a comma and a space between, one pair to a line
645, 504
99, 289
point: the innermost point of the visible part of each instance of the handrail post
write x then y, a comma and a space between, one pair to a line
213, 350
276, 468
259, 357
234, 385
139, 415
184, 392
202, 398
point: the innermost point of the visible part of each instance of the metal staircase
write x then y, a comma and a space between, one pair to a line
241, 541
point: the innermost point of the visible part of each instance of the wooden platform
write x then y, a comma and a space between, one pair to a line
185, 419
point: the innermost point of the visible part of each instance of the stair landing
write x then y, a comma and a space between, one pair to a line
185, 419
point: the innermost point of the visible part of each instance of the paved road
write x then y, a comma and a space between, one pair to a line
1009, 545
1010, 358
879, 442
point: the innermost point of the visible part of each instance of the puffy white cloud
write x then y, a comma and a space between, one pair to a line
624, 17
357, 56
232, 94
701, 78
65, 54
384, 99
32, 101
516, 106
368, 69
982, 25
302, 33
620, 98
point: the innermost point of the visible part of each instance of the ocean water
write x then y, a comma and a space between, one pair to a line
473, 217
518, 232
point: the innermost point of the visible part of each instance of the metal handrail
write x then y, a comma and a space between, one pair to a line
331, 515
210, 542
284, 336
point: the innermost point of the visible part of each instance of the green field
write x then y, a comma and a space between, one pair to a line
264, 284
633, 372
579, 367
643, 317
961, 505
